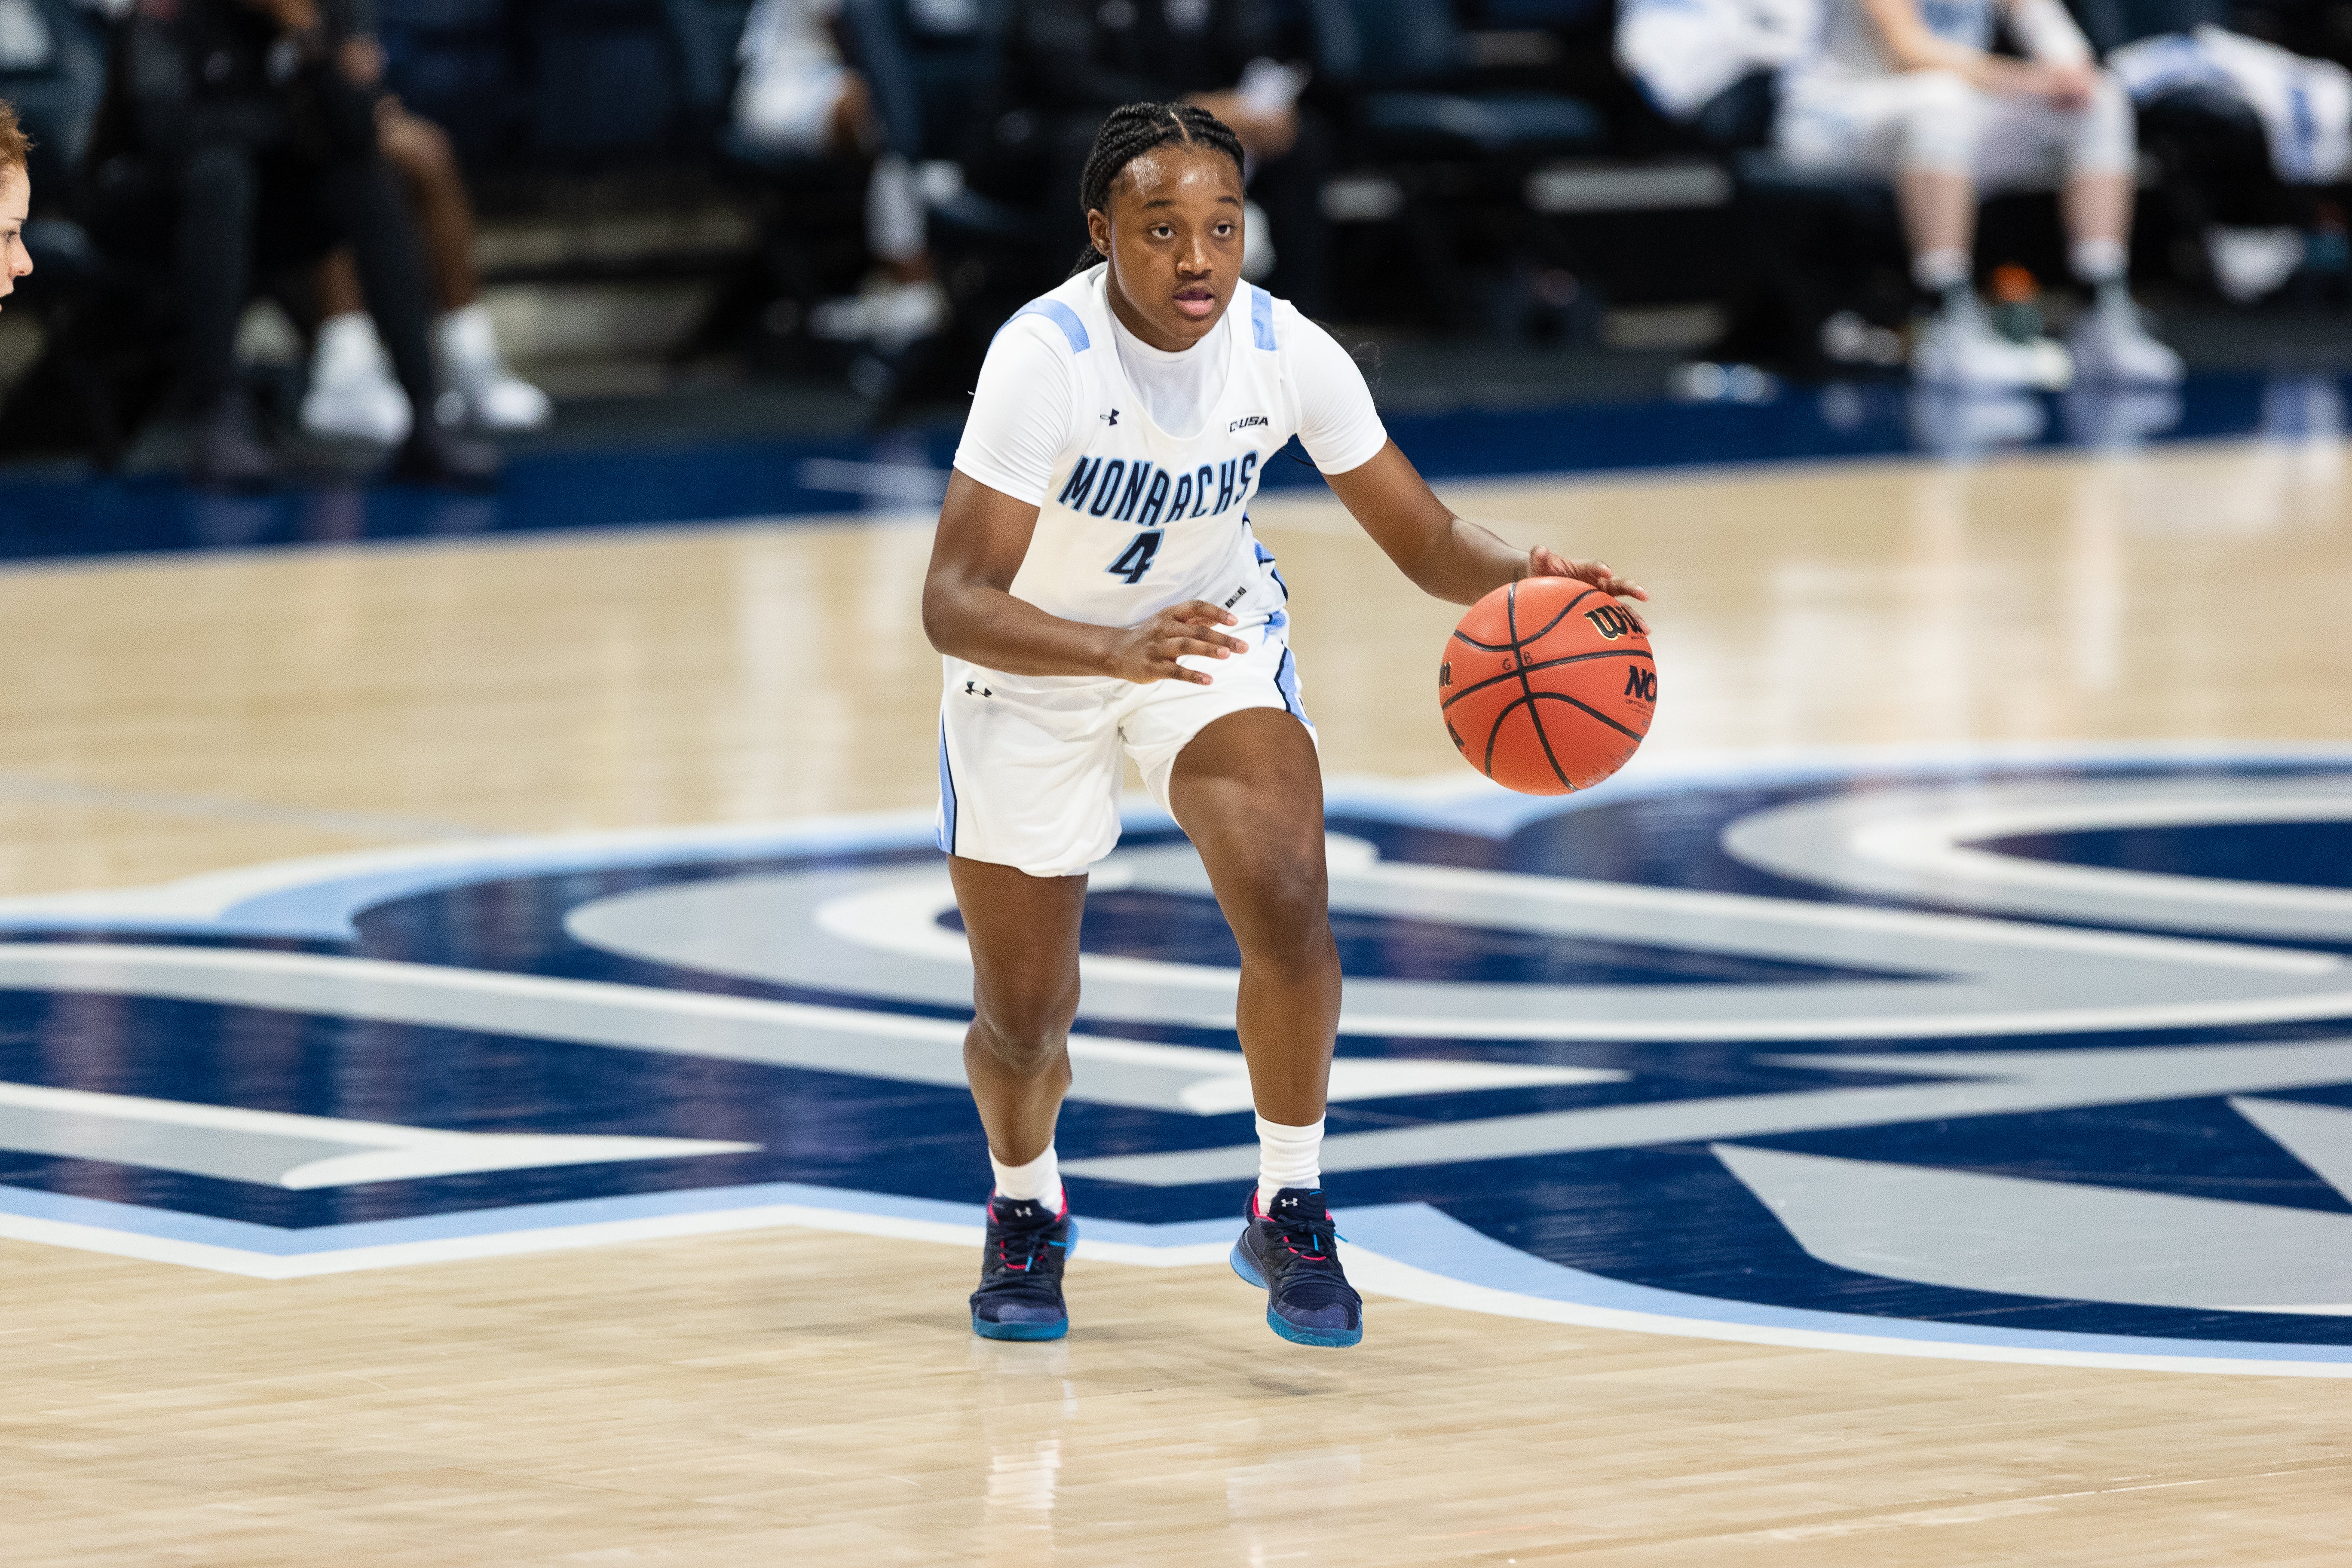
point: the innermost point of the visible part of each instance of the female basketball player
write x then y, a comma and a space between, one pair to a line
15, 199
1096, 590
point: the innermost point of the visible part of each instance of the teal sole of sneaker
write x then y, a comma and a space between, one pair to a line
1327, 1339
989, 1330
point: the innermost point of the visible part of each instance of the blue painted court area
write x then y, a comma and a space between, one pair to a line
1771, 1087
46, 515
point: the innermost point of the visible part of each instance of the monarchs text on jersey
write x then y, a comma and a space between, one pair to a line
1135, 520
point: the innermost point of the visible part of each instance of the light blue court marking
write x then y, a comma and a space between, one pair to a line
1414, 1234
1062, 316
272, 1241
1426, 1238
1261, 316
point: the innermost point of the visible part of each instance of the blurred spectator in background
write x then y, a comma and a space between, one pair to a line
1710, 64
1913, 93
15, 200
1070, 62
2243, 130
798, 98
246, 110
352, 391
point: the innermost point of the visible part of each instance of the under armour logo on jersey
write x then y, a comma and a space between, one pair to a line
1111, 418
975, 688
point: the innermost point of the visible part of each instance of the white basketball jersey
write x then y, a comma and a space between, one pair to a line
1137, 519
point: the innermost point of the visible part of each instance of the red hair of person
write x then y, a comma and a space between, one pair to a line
15, 147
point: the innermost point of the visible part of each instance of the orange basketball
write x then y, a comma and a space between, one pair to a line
1548, 686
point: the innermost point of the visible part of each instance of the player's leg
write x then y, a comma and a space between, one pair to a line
1248, 791
1028, 800
1024, 933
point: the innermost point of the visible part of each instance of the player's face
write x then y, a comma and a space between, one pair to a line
1174, 236
15, 197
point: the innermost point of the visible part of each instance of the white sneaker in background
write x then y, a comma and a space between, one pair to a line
1959, 349
2112, 346
886, 314
351, 391
2249, 263
493, 397
1257, 244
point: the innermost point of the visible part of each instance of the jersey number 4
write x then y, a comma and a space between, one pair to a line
1136, 559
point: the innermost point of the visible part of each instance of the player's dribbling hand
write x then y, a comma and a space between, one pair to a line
1148, 652
1543, 563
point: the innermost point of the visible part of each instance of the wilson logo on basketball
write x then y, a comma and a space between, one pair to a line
1610, 621
1641, 684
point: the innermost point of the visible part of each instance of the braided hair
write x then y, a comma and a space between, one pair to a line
1132, 130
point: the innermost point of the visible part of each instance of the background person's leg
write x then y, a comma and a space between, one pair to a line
219, 193
1024, 933
351, 392
359, 194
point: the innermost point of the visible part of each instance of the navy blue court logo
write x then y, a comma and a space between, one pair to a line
2020, 1058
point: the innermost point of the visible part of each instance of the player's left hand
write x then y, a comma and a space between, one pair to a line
1544, 562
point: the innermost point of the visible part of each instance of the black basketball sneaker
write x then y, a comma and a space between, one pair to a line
1020, 1294
1291, 1256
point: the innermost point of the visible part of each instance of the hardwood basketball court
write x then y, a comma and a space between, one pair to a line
800, 1384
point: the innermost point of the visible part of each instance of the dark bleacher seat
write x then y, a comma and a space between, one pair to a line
1400, 66
453, 62
620, 80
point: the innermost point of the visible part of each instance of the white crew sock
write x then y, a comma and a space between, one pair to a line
894, 211
1039, 1181
2096, 261
1287, 1157
1939, 271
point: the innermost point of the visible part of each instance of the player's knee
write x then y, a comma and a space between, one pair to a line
1939, 124
2106, 140
1026, 1042
1287, 923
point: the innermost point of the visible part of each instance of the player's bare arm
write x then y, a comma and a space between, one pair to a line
1915, 48
1446, 556
969, 613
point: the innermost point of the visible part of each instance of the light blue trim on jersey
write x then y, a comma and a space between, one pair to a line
1062, 316
1266, 559
1261, 317
947, 795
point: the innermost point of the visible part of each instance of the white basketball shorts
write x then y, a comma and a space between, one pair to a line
1030, 770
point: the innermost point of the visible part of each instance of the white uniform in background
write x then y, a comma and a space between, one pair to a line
1850, 109
792, 76
1684, 52
2305, 105
1142, 464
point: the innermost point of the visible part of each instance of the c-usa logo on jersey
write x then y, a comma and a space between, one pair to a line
2005, 1056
